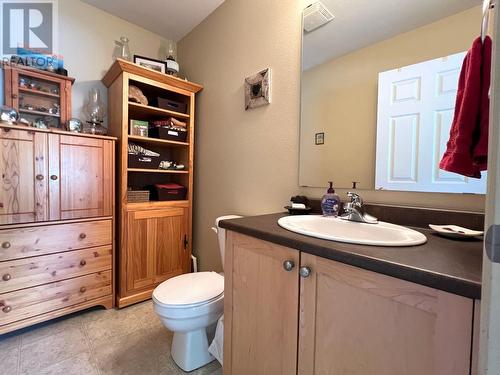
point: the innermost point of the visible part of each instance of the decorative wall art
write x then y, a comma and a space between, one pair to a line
319, 138
258, 89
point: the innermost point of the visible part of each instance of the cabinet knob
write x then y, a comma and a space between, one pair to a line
305, 272
83, 289
39, 177
6, 277
83, 236
7, 309
5, 245
288, 265
53, 177
14, 96
83, 262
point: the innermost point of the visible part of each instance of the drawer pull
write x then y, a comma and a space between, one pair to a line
39, 177
6, 277
7, 309
83, 236
53, 177
6, 244
83, 262
83, 289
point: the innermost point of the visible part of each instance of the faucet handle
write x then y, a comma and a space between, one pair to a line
355, 198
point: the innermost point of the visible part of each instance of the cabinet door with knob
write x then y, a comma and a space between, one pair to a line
156, 247
260, 307
86, 160
23, 168
358, 322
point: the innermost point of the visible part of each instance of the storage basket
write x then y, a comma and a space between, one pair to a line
164, 129
139, 157
137, 196
170, 192
169, 104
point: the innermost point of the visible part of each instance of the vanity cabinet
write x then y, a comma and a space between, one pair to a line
325, 317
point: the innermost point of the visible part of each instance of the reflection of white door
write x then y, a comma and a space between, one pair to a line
415, 111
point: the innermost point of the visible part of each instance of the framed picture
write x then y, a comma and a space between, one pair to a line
147, 62
319, 138
258, 89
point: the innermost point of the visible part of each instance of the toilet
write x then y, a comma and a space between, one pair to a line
188, 304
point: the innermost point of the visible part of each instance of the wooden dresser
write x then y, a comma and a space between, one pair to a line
56, 224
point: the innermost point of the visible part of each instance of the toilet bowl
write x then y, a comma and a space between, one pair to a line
189, 304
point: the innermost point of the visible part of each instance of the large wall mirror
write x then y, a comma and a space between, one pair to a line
378, 91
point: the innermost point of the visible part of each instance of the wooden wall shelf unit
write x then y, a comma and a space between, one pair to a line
154, 238
56, 224
49, 89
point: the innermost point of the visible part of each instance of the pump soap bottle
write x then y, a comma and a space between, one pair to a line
330, 204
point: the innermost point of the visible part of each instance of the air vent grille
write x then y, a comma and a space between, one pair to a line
316, 15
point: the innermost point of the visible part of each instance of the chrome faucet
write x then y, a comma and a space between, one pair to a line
355, 210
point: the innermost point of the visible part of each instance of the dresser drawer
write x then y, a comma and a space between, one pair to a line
27, 303
35, 241
29, 272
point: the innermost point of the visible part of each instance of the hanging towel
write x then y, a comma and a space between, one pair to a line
465, 133
481, 150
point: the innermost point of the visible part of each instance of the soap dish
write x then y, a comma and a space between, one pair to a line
298, 211
454, 231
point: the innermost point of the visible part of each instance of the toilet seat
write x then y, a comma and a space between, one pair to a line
189, 290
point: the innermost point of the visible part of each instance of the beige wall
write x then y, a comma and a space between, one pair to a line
339, 97
245, 161
86, 41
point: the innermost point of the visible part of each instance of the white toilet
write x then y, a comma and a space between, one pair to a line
187, 305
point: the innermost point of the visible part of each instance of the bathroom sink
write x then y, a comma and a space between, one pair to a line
337, 229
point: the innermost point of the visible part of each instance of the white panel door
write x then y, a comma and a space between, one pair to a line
415, 111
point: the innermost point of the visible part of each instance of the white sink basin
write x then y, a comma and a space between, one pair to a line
337, 229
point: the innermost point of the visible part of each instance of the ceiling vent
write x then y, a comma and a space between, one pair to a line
316, 15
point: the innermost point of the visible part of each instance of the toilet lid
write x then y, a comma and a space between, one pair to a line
190, 288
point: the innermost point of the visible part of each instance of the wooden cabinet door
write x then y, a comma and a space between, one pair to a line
260, 308
23, 168
156, 249
358, 322
81, 177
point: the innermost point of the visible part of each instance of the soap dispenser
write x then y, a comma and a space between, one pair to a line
330, 204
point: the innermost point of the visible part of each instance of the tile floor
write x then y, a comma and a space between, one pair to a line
130, 341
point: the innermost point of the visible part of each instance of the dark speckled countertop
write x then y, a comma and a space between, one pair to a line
441, 263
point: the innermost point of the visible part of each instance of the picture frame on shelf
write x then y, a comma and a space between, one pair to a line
153, 64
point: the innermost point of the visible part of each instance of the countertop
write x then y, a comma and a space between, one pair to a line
446, 264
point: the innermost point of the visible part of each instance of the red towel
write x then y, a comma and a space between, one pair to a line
481, 150
467, 147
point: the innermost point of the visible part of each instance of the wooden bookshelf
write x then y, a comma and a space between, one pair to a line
145, 258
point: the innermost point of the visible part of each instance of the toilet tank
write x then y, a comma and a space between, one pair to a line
221, 234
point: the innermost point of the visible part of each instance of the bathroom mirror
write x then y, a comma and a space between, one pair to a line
342, 63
